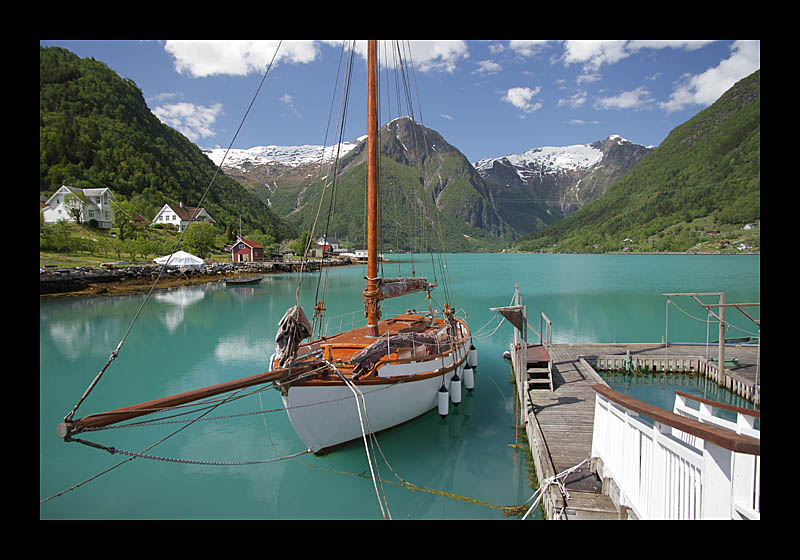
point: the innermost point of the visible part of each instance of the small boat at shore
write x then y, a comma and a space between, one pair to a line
231, 282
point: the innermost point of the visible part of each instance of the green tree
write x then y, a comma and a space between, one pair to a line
299, 244
200, 238
124, 214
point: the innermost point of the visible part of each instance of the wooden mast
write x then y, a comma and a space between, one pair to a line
371, 293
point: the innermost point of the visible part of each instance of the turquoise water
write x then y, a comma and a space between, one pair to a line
659, 390
197, 336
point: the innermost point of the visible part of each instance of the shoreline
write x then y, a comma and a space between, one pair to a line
84, 281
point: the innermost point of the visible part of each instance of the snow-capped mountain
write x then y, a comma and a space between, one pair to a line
517, 192
292, 156
542, 185
542, 159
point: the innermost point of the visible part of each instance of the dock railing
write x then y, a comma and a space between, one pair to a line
674, 364
664, 465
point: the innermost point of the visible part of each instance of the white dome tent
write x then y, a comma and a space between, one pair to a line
182, 260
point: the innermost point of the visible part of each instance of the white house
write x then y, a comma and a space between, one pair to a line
94, 204
330, 244
181, 216
359, 254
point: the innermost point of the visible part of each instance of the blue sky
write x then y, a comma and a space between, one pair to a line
487, 98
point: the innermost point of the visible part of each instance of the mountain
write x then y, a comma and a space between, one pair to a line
427, 186
259, 168
498, 198
95, 130
543, 185
286, 156
705, 176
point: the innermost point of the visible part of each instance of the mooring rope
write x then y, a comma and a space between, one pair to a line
353, 389
507, 510
547, 482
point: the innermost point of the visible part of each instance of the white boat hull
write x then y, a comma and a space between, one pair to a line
327, 416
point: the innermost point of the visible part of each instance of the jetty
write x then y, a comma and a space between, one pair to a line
560, 391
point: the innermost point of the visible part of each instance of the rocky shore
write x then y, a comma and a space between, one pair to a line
120, 280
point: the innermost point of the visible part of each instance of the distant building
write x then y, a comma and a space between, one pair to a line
181, 216
245, 250
92, 204
358, 254
329, 244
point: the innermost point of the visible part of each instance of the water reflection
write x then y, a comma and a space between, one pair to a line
178, 299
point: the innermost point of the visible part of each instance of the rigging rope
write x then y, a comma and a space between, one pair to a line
115, 352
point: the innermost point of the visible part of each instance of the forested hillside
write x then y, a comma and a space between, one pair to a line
704, 177
95, 130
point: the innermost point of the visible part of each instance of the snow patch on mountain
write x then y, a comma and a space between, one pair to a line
549, 157
292, 156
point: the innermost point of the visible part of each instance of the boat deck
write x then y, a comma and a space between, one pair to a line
339, 349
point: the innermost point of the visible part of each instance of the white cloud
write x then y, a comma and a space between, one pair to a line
703, 89
193, 121
200, 59
440, 56
574, 101
446, 116
581, 122
527, 47
288, 100
594, 53
637, 99
487, 67
661, 44
522, 98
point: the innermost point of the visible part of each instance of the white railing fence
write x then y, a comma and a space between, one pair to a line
685, 465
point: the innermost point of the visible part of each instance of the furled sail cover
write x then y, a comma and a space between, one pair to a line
393, 287
292, 329
369, 356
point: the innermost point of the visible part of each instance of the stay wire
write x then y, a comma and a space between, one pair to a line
116, 350
132, 457
333, 169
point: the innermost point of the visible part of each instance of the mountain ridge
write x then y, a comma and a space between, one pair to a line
704, 176
513, 190
97, 131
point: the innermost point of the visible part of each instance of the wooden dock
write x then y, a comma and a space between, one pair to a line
559, 422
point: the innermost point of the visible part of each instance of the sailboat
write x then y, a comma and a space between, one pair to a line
340, 388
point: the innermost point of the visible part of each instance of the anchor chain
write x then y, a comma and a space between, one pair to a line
211, 463
115, 451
